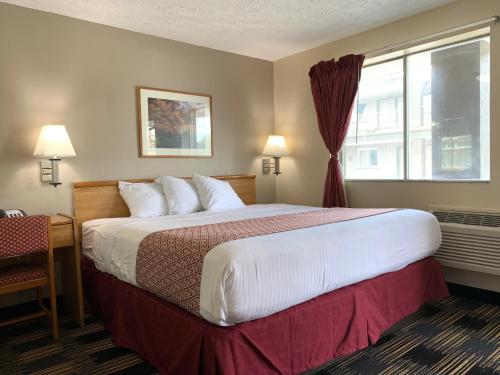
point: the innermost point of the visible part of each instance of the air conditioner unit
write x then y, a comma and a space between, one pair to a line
471, 240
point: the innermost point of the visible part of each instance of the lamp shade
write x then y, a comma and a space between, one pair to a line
54, 141
275, 146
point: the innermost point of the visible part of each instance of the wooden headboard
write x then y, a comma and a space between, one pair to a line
101, 199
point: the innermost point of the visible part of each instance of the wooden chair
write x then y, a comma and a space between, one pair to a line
22, 238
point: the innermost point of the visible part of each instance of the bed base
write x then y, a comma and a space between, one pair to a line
289, 342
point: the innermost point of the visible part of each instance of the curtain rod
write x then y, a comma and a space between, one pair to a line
411, 42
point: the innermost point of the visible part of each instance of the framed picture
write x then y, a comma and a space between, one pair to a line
173, 123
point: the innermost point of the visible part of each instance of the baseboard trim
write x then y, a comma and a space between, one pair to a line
483, 295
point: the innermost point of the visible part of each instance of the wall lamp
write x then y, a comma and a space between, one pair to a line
275, 147
53, 143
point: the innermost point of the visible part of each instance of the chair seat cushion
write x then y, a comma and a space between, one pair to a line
20, 273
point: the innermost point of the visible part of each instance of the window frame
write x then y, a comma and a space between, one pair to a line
404, 58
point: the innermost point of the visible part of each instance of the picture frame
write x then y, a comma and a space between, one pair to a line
174, 124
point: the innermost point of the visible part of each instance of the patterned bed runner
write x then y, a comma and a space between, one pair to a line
169, 262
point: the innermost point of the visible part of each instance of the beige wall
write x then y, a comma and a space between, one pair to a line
60, 70
304, 171
55, 69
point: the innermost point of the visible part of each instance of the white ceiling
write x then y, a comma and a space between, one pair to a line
266, 29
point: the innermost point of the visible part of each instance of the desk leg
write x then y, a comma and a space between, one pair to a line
72, 283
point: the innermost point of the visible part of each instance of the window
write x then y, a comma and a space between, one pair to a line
425, 105
456, 153
377, 125
386, 113
361, 113
368, 157
425, 116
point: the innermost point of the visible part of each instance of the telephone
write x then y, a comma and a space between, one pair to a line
12, 213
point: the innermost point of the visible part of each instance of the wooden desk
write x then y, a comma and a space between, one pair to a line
67, 252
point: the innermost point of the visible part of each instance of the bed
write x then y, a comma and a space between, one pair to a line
280, 302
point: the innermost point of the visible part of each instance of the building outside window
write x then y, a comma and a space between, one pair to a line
425, 114
368, 157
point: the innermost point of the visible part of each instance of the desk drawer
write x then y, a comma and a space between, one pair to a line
62, 235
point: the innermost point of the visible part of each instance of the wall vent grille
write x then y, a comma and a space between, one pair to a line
470, 240
468, 218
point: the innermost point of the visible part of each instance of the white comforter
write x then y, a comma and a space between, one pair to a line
255, 277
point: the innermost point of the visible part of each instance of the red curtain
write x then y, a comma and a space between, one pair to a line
334, 85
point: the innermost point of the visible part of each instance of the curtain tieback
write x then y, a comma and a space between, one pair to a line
334, 156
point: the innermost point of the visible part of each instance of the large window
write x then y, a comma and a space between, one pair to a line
424, 116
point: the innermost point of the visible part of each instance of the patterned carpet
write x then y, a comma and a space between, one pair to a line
455, 336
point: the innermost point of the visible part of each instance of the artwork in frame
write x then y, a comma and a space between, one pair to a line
174, 123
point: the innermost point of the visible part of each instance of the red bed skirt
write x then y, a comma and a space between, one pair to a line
289, 342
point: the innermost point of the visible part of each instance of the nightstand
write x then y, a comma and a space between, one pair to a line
67, 252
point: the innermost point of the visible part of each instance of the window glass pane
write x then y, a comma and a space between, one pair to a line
374, 144
448, 112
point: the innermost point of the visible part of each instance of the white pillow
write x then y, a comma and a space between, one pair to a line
143, 199
181, 194
216, 195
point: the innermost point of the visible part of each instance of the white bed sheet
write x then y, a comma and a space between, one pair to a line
255, 277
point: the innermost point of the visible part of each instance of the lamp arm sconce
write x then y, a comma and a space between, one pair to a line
53, 143
55, 171
267, 165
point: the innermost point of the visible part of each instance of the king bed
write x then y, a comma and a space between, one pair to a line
267, 289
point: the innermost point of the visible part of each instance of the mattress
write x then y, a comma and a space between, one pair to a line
255, 277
